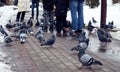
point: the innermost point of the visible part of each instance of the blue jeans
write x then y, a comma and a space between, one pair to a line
35, 4
76, 8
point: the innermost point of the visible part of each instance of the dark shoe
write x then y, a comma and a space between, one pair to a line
64, 34
59, 34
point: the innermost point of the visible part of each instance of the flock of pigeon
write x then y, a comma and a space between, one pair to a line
104, 37
22, 29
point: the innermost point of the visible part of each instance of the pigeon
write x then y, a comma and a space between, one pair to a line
17, 27
30, 31
3, 31
108, 35
9, 25
111, 25
50, 41
103, 38
90, 27
40, 37
82, 37
37, 23
81, 45
30, 23
87, 60
7, 39
23, 25
51, 28
23, 36
93, 20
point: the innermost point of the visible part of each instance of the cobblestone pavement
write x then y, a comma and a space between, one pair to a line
31, 57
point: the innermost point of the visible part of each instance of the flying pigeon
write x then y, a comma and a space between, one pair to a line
50, 41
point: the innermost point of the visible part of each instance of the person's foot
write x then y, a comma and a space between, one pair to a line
64, 34
58, 34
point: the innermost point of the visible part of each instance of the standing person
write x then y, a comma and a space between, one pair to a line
76, 7
35, 3
61, 14
48, 14
23, 7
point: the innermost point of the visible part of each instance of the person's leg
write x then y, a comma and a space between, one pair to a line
51, 21
37, 9
73, 8
58, 25
45, 20
64, 25
22, 16
80, 16
33, 6
18, 16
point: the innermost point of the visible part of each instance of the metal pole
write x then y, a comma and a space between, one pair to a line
103, 13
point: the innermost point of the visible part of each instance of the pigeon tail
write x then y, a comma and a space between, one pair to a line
97, 63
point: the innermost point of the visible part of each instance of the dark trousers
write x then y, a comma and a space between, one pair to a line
35, 4
61, 23
20, 16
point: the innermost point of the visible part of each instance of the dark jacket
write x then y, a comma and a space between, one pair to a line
81, 0
35, 1
48, 4
61, 7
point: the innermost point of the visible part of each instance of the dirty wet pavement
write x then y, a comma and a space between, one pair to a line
31, 57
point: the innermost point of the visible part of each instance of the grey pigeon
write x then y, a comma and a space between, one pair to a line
30, 23
87, 60
93, 20
3, 31
103, 37
40, 37
30, 30
9, 25
17, 27
37, 23
90, 27
7, 39
23, 36
50, 41
81, 45
82, 37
